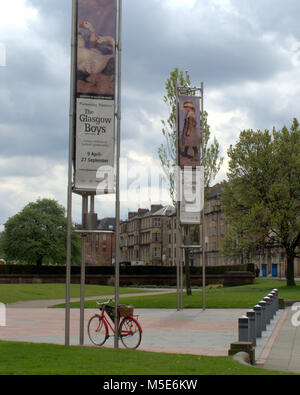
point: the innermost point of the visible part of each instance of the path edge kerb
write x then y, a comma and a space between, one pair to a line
243, 358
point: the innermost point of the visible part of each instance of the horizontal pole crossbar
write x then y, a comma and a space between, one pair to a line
92, 231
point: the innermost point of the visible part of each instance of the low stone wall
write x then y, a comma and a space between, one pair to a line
226, 279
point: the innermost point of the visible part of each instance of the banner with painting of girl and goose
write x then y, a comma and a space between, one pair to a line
95, 92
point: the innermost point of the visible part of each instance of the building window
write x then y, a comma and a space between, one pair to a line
156, 252
156, 222
212, 260
222, 230
156, 236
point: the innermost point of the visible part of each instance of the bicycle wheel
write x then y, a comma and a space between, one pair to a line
130, 333
97, 330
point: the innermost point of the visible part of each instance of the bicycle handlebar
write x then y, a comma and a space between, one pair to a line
107, 302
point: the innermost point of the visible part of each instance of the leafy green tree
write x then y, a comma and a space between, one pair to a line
37, 235
261, 199
168, 152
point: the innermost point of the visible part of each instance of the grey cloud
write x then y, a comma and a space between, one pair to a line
33, 102
218, 48
277, 16
55, 19
224, 49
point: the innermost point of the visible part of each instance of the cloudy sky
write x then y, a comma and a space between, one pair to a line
247, 53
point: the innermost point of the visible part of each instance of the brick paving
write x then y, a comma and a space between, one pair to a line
190, 331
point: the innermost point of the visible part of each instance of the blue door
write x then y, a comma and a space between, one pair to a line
274, 270
264, 270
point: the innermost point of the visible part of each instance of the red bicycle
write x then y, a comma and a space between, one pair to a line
101, 325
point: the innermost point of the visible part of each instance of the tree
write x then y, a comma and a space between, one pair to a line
261, 200
168, 152
37, 234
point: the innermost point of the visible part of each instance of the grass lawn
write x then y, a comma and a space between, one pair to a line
245, 296
10, 293
44, 359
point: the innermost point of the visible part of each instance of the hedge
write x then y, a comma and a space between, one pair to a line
127, 270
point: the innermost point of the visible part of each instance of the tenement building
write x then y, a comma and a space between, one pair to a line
144, 235
148, 236
101, 245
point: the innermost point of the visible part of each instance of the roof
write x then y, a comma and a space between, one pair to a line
162, 211
167, 210
214, 192
108, 223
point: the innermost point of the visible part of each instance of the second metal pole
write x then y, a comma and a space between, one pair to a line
117, 230
203, 214
82, 271
70, 173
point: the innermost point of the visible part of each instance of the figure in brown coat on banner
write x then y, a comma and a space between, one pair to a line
189, 137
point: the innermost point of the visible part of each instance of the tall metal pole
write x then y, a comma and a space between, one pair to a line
203, 214
92, 237
178, 188
82, 271
181, 274
70, 174
117, 230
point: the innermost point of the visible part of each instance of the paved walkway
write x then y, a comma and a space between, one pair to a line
191, 331
282, 352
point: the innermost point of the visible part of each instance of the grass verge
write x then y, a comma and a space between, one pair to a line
245, 296
11, 293
44, 359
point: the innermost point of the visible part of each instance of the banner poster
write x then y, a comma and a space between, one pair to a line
191, 195
189, 138
95, 91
